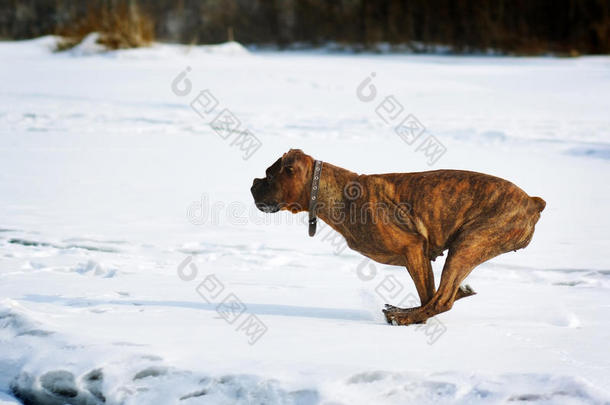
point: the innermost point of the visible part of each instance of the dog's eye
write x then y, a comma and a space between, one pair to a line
289, 169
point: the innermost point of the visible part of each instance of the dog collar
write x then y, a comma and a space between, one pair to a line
313, 199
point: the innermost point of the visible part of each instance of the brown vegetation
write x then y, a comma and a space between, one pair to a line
119, 25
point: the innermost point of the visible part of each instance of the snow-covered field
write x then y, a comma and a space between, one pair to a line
127, 230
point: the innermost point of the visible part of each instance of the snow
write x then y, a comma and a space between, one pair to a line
89, 45
123, 211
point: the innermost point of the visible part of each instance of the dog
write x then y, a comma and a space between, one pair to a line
407, 219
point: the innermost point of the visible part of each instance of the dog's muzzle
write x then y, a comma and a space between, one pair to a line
258, 190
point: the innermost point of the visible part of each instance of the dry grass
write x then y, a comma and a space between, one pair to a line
121, 26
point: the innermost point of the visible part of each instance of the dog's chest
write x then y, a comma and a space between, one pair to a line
376, 241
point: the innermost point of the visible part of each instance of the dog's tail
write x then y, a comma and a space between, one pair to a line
540, 203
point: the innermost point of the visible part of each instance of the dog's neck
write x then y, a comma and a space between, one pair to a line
333, 181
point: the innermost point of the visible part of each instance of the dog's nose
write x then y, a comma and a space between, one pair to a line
255, 184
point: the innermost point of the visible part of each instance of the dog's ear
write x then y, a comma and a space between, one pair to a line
293, 159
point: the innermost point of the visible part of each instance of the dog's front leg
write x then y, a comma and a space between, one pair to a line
420, 270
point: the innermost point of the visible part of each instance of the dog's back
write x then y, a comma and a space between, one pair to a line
451, 202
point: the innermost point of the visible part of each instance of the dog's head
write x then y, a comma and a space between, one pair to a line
286, 185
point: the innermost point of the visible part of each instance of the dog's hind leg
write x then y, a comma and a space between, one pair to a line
464, 256
463, 292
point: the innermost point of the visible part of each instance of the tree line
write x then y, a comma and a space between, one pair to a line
464, 26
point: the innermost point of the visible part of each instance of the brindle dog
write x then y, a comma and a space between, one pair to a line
409, 219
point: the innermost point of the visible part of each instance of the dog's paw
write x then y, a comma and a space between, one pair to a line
464, 291
399, 316
392, 308
388, 316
